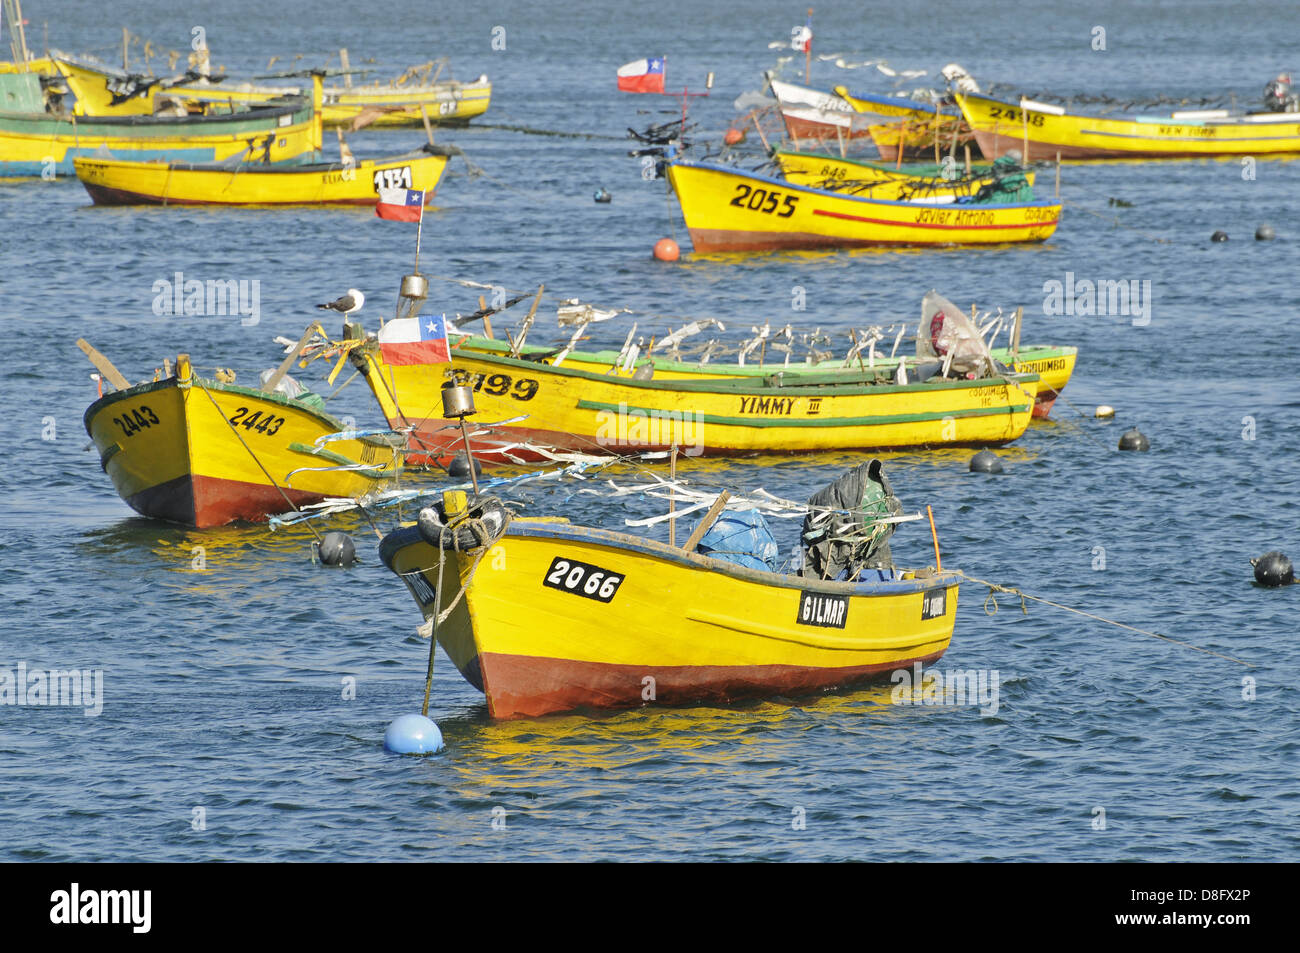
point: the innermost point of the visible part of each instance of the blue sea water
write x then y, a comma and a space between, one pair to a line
223, 689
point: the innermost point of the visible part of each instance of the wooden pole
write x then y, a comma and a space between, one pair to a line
714, 512
968, 160
1058, 173
428, 127
343, 62
672, 497
103, 365
275, 378
936, 133
1015, 334
938, 563
487, 318
126, 43
902, 137
807, 53
528, 322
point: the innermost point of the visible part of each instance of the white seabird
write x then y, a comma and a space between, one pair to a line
350, 302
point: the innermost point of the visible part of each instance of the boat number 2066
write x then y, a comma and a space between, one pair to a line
761, 200
582, 579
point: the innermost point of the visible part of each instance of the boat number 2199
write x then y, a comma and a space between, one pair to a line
761, 200
582, 579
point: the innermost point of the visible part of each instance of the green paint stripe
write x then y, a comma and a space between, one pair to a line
877, 421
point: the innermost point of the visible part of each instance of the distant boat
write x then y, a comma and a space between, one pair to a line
103, 90
730, 210
35, 142
880, 181
206, 453
118, 182
1045, 131
560, 617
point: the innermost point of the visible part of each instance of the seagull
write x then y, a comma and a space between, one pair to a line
350, 302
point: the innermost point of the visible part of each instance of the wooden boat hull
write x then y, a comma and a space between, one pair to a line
117, 182
188, 450
448, 102
716, 203
1054, 366
582, 411
1001, 127
924, 140
40, 144
677, 629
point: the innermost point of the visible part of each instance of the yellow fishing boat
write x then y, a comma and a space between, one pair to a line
117, 182
543, 616
1044, 131
205, 453
36, 142
537, 408
98, 88
727, 209
822, 171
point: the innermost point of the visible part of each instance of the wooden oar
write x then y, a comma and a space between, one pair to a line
274, 379
714, 512
103, 365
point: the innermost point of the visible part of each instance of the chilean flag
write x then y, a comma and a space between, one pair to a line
642, 76
400, 205
415, 340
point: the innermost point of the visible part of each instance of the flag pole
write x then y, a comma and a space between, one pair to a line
807, 53
419, 230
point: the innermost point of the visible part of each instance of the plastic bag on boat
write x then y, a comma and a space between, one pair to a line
945, 330
842, 534
742, 537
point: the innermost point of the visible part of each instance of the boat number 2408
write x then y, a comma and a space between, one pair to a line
582, 579
761, 200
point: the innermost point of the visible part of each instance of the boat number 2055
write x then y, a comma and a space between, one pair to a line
582, 579
761, 200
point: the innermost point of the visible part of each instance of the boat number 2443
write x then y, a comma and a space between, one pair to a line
582, 579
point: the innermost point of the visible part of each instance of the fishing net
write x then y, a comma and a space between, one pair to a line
842, 533
1010, 185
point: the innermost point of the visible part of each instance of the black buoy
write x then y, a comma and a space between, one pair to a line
337, 549
1219, 236
1134, 439
459, 468
986, 461
1273, 569
603, 197
1265, 233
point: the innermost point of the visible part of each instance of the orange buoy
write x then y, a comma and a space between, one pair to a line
666, 250
733, 136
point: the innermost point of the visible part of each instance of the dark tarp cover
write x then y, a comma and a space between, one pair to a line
841, 533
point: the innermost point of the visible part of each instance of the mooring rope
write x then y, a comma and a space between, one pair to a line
995, 588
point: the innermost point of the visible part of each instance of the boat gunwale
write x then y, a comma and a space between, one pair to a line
785, 183
400, 538
245, 168
1237, 119
731, 386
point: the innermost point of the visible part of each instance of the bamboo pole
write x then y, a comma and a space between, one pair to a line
938, 563
672, 497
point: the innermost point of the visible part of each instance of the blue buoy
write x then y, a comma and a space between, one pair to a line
602, 196
413, 734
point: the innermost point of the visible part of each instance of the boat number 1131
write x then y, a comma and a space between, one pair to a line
582, 579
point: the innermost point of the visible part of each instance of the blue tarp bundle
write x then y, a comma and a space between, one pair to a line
742, 537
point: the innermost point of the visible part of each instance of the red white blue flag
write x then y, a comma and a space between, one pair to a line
400, 205
642, 76
415, 340
801, 36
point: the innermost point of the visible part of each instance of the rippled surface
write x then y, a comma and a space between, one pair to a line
223, 688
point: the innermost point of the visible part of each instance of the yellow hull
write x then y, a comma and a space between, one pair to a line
589, 412
729, 210
42, 144
112, 182
446, 102
1000, 127
817, 170
1053, 365
203, 453
558, 617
